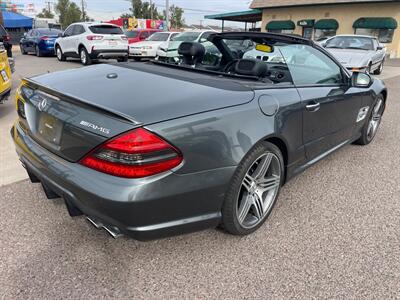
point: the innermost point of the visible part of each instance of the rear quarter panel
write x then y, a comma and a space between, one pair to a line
222, 138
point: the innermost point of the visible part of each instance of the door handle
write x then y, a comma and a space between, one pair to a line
313, 107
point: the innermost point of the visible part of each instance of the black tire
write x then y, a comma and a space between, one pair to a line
230, 221
366, 138
122, 59
23, 52
37, 51
380, 68
60, 55
137, 59
87, 61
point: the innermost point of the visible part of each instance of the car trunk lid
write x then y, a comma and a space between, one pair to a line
74, 111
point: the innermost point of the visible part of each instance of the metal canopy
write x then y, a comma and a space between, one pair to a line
253, 15
375, 23
326, 24
281, 25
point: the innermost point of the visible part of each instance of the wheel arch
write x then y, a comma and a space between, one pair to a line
282, 145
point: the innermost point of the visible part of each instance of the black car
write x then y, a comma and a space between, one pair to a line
155, 149
6, 40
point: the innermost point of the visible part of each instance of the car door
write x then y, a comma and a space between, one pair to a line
24, 40
65, 41
379, 54
75, 40
330, 105
30, 41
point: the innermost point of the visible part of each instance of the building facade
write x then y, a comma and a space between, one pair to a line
321, 19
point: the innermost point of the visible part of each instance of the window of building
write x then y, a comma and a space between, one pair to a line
322, 34
325, 28
380, 27
383, 35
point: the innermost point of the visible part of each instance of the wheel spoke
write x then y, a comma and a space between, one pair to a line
269, 183
258, 206
263, 166
244, 207
248, 182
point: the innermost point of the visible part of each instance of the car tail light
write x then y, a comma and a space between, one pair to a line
94, 37
124, 38
138, 153
44, 38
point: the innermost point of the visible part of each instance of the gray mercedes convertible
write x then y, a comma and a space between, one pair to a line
155, 149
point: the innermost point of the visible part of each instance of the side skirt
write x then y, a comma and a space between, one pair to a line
310, 163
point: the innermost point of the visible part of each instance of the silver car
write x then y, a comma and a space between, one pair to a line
357, 52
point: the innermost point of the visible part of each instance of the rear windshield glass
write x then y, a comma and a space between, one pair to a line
49, 31
105, 29
159, 37
131, 34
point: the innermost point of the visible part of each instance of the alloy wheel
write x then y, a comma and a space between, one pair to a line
375, 119
59, 54
83, 57
259, 190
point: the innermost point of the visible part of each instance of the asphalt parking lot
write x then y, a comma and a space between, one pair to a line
334, 233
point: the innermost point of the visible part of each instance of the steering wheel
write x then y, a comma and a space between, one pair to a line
229, 65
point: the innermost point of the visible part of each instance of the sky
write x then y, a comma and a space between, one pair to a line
102, 10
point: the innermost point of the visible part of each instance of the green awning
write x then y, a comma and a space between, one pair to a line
306, 23
280, 25
326, 24
376, 23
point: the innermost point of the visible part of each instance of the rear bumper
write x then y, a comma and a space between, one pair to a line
105, 53
150, 208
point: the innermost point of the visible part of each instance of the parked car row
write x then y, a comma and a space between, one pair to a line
90, 41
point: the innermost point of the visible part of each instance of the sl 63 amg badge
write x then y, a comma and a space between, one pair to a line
95, 127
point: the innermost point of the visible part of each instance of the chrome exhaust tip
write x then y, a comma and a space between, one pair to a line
111, 230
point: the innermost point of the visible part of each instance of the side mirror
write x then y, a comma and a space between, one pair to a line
380, 47
361, 80
61, 35
25, 34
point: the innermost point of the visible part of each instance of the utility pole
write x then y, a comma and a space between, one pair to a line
48, 6
83, 10
167, 13
151, 9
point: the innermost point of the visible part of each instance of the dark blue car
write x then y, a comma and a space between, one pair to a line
39, 41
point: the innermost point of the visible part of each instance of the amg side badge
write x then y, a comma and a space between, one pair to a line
362, 113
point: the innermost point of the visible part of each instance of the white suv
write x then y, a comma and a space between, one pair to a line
89, 41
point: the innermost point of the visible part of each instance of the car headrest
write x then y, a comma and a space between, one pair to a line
251, 67
192, 53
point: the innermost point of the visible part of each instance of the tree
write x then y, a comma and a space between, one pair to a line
176, 17
45, 13
68, 12
125, 16
142, 10
136, 8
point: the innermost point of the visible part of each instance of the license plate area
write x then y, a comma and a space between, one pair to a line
50, 129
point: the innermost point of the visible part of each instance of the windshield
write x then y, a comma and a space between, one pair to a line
159, 37
350, 42
105, 29
187, 36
